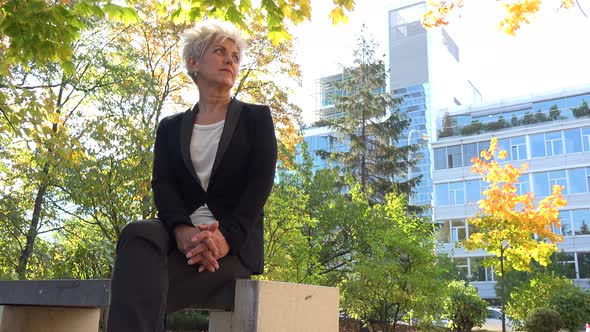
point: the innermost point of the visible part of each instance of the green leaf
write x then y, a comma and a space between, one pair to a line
68, 67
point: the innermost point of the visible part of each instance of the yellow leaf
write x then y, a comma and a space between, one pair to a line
337, 15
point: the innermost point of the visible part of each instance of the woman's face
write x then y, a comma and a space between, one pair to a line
219, 64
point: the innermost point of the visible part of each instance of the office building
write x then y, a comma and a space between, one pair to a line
550, 133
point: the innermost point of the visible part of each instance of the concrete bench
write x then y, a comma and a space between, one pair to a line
81, 305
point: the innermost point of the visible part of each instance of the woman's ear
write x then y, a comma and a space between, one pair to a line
193, 65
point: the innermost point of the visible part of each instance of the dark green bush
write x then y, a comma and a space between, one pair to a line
475, 127
543, 320
582, 110
573, 305
187, 320
554, 112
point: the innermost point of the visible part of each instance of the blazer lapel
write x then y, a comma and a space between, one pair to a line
231, 120
186, 131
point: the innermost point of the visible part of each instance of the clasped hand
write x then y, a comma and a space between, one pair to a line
202, 245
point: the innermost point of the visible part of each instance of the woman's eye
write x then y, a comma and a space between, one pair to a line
236, 58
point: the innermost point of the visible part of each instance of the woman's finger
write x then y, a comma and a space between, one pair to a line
196, 250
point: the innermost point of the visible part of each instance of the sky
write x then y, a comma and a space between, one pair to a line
550, 54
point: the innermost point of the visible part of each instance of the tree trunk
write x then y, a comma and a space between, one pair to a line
502, 287
23, 260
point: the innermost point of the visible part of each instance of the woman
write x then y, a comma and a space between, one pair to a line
213, 171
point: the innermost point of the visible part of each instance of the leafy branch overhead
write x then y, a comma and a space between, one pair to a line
517, 12
42, 31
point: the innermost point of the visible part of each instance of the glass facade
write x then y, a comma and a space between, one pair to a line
321, 142
415, 105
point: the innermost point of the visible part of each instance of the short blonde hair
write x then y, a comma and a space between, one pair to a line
196, 40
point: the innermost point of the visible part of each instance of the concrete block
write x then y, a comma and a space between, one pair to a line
48, 319
268, 306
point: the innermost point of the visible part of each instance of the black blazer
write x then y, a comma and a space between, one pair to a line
240, 183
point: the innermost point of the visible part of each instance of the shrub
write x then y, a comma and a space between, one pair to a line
573, 305
464, 308
187, 320
543, 320
535, 294
528, 118
554, 112
475, 127
582, 110
540, 117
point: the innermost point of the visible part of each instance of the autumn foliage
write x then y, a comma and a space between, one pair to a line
517, 12
509, 225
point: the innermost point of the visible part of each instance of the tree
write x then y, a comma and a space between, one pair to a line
371, 127
288, 255
267, 77
41, 108
394, 265
463, 307
509, 226
41, 31
518, 12
112, 187
98, 173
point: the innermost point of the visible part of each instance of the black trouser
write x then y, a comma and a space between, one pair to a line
152, 278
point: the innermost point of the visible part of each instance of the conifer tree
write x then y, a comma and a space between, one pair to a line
371, 126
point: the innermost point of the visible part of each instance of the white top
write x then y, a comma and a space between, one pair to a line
204, 143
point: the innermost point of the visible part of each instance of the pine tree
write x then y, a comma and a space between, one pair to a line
371, 126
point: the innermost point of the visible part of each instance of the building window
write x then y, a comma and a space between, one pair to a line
557, 178
454, 156
444, 231
504, 144
518, 148
523, 185
473, 191
567, 264
450, 193
440, 158
554, 143
584, 265
573, 140
442, 194
458, 230
537, 145
469, 152
578, 180
586, 139
541, 184
581, 221
462, 268
566, 226
456, 193
484, 145
479, 272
